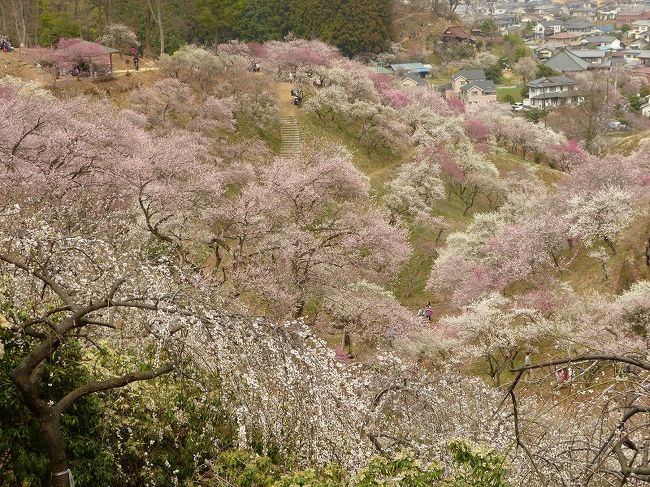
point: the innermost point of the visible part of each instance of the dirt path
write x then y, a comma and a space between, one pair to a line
285, 100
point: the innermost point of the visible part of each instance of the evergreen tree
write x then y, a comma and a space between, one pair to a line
216, 18
362, 26
264, 20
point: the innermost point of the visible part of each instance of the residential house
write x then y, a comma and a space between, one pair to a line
471, 86
617, 58
548, 28
631, 15
641, 43
506, 23
645, 109
567, 38
544, 53
632, 55
422, 70
606, 43
455, 33
552, 92
578, 27
595, 57
546, 9
565, 61
639, 27
584, 13
644, 58
464, 76
479, 92
607, 14
413, 80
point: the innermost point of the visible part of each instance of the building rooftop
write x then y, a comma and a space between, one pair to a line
486, 86
589, 53
415, 78
469, 74
456, 31
417, 67
551, 81
565, 60
565, 35
578, 24
600, 39
554, 94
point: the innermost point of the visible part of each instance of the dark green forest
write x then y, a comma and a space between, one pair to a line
354, 26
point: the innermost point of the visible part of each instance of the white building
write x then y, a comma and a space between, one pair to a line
552, 92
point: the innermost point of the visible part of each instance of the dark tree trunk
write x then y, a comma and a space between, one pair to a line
147, 34
51, 434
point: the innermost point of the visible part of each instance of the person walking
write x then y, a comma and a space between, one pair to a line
429, 312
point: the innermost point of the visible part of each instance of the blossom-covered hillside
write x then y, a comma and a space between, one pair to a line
202, 283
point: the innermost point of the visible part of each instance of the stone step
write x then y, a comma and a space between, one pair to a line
290, 132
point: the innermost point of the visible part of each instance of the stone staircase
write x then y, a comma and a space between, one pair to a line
291, 144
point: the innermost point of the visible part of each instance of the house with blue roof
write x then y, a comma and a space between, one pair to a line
422, 70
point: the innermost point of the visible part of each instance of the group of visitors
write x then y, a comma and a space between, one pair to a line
297, 96
426, 313
136, 58
5, 44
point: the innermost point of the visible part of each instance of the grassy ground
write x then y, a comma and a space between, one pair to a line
379, 165
627, 143
504, 92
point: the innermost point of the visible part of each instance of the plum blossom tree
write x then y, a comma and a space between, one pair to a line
79, 54
414, 190
477, 130
601, 215
567, 156
457, 269
169, 103
119, 36
526, 68
368, 311
194, 65
285, 57
496, 331
75, 269
471, 175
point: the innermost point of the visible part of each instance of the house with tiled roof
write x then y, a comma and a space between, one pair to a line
551, 92
471, 86
464, 76
607, 14
566, 38
584, 13
595, 57
578, 26
455, 33
628, 16
547, 28
422, 70
479, 92
644, 57
565, 61
604, 42
413, 80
